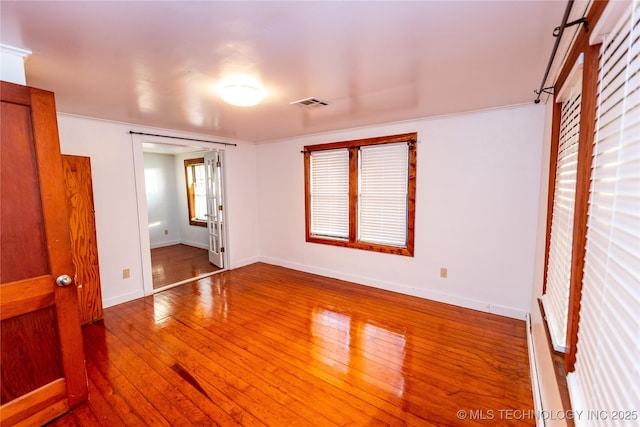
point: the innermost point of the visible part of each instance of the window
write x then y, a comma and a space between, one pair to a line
607, 366
361, 194
556, 298
602, 354
196, 191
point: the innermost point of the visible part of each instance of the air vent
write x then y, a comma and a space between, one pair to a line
310, 103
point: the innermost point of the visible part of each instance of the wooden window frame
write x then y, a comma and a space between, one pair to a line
583, 175
188, 171
353, 147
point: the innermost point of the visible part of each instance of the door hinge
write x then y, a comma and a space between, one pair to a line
218, 164
222, 249
220, 207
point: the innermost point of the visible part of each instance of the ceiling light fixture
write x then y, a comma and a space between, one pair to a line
241, 94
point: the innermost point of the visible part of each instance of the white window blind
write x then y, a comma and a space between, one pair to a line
329, 188
556, 298
607, 371
382, 194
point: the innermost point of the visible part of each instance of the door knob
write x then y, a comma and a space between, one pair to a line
64, 280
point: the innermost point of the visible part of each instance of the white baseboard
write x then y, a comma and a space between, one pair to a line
194, 244
395, 287
243, 262
163, 244
109, 302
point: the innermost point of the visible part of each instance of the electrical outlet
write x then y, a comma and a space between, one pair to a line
443, 272
166, 232
126, 273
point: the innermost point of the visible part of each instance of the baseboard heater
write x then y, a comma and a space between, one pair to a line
535, 384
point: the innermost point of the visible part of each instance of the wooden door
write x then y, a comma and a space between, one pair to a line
42, 359
84, 245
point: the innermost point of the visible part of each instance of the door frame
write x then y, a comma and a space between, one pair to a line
141, 199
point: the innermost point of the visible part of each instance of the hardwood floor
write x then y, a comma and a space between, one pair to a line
175, 263
264, 345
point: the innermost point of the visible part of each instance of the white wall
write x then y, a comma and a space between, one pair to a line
162, 199
192, 235
167, 205
476, 208
478, 182
117, 165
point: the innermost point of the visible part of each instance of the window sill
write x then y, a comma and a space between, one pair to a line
364, 246
558, 367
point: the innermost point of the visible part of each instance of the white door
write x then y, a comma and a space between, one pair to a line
215, 209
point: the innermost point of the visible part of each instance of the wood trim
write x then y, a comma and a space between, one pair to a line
585, 148
191, 208
411, 199
352, 241
553, 166
581, 210
361, 245
307, 194
22, 296
405, 137
54, 207
14, 94
54, 203
47, 414
36, 407
353, 193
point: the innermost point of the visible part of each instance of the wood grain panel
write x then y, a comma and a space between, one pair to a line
50, 412
30, 356
36, 407
84, 244
24, 252
23, 296
264, 345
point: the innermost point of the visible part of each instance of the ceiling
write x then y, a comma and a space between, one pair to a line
157, 63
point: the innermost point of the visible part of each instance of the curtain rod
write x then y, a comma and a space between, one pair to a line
557, 33
186, 139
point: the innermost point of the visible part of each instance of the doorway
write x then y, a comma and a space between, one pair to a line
177, 250
176, 264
